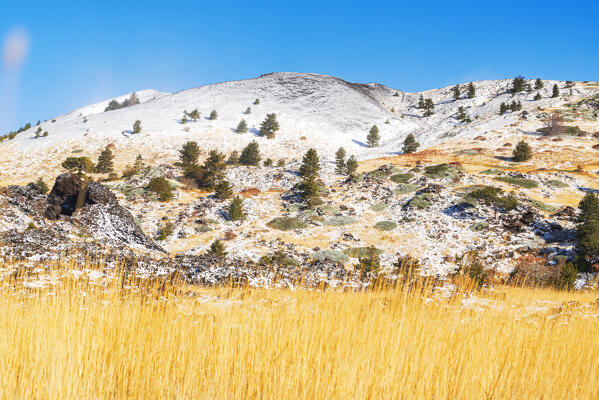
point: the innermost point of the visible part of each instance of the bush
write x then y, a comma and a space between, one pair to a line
401, 178
165, 232
78, 164
242, 127
385, 225
554, 183
359, 252
217, 249
370, 262
330, 255
42, 185
287, 223
421, 201
137, 126
338, 220
213, 115
161, 187
441, 171
268, 162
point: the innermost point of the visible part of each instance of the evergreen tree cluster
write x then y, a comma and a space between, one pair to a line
587, 233
345, 167
513, 106
461, 115
519, 84
115, 105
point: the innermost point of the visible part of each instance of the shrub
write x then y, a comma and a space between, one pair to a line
421, 201
554, 183
281, 163
370, 262
248, 111
385, 225
268, 162
279, 257
213, 115
161, 187
359, 252
78, 164
256, 102
42, 185
330, 255
401, 178
287, 223
440, 171
188, 155
165, 231
338, 220
137, 126
242, 127
217, 249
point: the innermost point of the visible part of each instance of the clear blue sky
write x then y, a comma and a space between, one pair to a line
86, 51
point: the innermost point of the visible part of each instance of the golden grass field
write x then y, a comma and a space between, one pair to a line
80, 337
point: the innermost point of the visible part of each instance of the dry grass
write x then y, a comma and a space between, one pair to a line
119, 337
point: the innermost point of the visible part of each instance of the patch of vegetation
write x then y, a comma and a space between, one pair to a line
203, 228
479, 226
165, 232
543, 206
467, 152
328, 209
492, 171
360, 252
338, 220
554, 183
441, 171
491, 195
161, 186
422, 201
287, 223
379, 206
279, 257
385, 225
405, 188
377, 175
330, 255
522, 182
401, 178
564, 130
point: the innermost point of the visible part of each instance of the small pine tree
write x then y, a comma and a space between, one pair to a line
340, 160
236, 211
242, 127
461, 116
456, 92
429, 107
522, 152
195, 115
213, 170
281, 163
137, 126
538, 96
184, 119
351, 166
139, 164
217, 249
133, 100
539, 84
471, 90
555, 91
503, 108
45, 134
188, 155
310, 192
233, 158
248, 111
587, 231
310, 164
410, 144
256, 102
518, 84
105, 164
373, 137
421, 103
250, 155
268, 162
223, 190
42, 185
269, 126
213, 115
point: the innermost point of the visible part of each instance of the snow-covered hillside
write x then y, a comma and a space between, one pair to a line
314, 110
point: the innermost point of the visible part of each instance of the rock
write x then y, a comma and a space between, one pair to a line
64, 196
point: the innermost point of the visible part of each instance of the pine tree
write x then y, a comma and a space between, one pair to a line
503, 108
250, 155
351, 166
522, 152
256, 102
373, 137
587, 232
310, 165
268, 162
133, 100
421, 102
461, 116
213, 170
310, 191
248, 111
137, 126
410, 144
340, 160
456, 92
539, 84
281, 163
236, 211
242, 127
217, 249
42, 185
471, 90
213, 115
139, 164
269, 126
538, 96
45, 134
233, 158
555, 91
188, 155
429, 107
223, 190
195, 115
518, 84
105, 164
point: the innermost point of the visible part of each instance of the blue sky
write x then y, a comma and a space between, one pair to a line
82, 52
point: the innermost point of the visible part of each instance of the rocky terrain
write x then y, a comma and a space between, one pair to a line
403, 204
